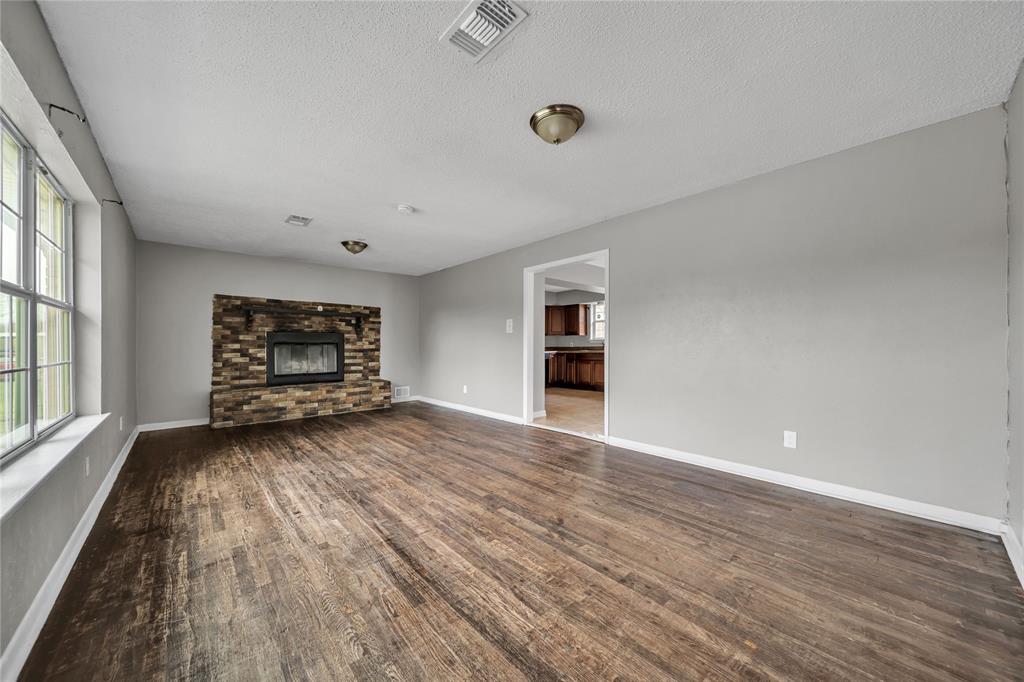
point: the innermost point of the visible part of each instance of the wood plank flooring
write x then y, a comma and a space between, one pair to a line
573, 409
423, 543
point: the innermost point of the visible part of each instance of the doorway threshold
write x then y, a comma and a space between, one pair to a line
579, 434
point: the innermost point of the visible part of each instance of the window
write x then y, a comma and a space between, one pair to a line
598, 320
35, 298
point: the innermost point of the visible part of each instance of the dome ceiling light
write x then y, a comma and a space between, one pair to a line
556, 123
354, 246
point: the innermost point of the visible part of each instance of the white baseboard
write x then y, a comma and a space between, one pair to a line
20, 646
986, 524
160, 426
404, 400
466, 408
1015, 551
540, 413
924, 510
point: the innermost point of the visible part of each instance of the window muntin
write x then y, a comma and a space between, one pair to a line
36, 313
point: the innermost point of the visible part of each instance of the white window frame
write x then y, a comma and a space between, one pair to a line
593, 320
28, 288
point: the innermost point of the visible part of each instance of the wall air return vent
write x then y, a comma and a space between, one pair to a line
482, 25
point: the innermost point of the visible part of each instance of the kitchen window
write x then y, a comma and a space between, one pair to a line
36, 311
598, 320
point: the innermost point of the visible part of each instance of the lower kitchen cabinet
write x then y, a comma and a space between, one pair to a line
576, 370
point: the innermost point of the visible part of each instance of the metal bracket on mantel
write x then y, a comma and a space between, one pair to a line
253, 310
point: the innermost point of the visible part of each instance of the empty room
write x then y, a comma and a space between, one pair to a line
511, 340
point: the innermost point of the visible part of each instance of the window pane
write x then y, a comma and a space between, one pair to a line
53, 340
49, 215
14, 426
50, 270
58, 221
44, 199
13, 332
12, 173
10, 248
53, 397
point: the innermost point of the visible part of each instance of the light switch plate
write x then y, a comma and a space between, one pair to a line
789, 439
508, 326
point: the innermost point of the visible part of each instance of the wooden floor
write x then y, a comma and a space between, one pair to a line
423, 543
573, 409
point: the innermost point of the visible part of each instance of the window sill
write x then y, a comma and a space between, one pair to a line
19, 478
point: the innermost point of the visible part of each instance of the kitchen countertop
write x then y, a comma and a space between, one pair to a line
576, 349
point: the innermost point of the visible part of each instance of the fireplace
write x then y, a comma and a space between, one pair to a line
304, 357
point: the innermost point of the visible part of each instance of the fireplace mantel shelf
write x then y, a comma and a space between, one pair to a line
251, 310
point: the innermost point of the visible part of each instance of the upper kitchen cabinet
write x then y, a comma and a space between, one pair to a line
576, 320
565, 320
554, 320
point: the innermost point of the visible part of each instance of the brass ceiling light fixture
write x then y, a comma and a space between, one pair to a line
556, 123
354, 246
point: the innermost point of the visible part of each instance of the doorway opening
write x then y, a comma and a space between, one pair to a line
565, 345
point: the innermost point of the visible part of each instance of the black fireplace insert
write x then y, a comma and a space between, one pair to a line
304, 357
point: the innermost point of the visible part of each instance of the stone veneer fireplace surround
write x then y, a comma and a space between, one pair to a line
242, 327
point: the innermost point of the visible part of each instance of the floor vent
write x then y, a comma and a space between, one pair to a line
482, 25
401, 392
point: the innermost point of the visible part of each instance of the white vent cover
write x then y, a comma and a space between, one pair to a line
401, 391
482, 25
299, 220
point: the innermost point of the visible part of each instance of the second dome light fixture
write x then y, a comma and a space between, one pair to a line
556, 123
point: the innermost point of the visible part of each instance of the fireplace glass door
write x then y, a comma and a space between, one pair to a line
303, 357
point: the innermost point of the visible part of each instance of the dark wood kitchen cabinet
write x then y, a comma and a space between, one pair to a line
566, 320
575, 369
576, 320
554, 320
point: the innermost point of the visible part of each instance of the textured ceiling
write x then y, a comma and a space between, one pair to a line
220, 119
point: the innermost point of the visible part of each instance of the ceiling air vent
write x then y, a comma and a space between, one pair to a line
482, 25
299, 220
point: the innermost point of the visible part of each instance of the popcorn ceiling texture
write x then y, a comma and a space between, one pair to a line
217, 120
240, 394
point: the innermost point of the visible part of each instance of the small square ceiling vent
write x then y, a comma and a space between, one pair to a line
299, 220
482, 25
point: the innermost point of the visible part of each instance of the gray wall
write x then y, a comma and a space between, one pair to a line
33, 536
859, 299
1015, 300
175, 297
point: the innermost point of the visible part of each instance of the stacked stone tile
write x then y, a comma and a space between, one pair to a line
240, 394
